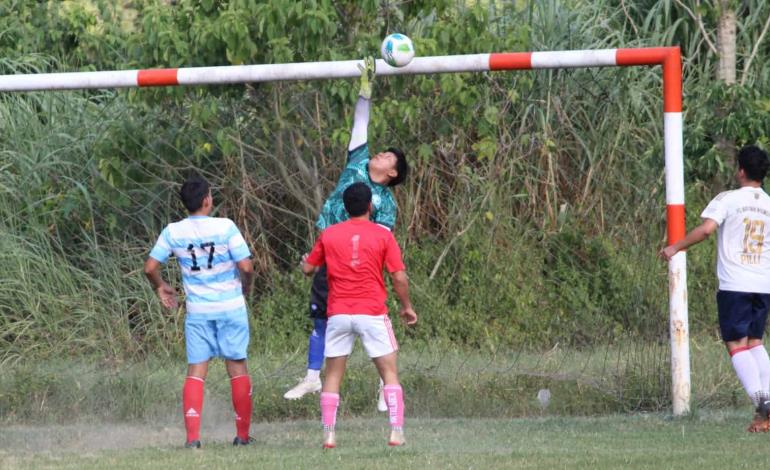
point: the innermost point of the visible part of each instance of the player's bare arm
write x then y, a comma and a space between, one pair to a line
696, 235
165, 292
401, 286
246, 268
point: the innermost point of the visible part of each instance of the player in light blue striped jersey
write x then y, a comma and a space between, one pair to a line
217, 274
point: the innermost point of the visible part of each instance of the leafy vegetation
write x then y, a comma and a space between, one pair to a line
531, 217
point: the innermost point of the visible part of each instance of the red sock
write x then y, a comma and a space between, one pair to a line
241, 392
192, 406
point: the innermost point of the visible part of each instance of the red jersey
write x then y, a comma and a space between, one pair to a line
355, 251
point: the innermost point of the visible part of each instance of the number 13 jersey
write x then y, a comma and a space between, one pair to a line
743, 216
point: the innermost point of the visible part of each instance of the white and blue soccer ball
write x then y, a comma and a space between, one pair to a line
397, 50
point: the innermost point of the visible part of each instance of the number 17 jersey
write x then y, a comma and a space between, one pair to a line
208, 250
743, 263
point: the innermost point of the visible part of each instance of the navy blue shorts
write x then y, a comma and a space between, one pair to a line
742, 314
319, 293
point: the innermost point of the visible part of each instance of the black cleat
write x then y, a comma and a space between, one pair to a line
761, 422
192, 445
243, 442
764, 408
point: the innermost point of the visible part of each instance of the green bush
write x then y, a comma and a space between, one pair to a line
532, 215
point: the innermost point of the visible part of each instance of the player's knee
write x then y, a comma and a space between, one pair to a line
199, 370
236, 367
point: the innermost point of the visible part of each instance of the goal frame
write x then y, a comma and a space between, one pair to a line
667, 57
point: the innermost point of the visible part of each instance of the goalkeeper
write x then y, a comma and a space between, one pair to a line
380, 173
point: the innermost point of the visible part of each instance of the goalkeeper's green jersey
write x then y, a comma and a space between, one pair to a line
357, 170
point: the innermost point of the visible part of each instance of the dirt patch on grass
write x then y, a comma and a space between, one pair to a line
91, 435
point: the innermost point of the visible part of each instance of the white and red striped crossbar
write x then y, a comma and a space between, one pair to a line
668, 57
332, 70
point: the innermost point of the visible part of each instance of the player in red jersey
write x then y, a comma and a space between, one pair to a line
355, 253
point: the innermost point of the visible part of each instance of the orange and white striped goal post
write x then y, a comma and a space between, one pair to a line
667, 57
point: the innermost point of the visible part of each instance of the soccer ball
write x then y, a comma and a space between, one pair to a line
397, 50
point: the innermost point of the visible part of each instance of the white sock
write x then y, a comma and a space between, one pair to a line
763, 364
748, 373
313, 375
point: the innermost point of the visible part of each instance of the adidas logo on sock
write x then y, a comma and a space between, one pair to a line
191, 413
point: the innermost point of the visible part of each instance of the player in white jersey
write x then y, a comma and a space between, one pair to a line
217, 274
741, 219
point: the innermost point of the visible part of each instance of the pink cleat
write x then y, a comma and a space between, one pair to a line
330, 440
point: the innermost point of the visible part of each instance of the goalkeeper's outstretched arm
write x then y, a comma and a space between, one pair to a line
358, 135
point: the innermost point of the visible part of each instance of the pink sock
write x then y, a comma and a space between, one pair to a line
329, 404
394, 397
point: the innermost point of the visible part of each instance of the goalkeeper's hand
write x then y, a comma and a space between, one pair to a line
367, 77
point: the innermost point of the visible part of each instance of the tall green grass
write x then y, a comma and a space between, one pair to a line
530, 219
440, 381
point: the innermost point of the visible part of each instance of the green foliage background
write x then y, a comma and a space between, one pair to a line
531, 217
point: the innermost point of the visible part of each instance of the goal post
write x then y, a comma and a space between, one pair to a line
667, 57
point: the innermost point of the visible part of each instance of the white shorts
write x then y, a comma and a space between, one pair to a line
375, 331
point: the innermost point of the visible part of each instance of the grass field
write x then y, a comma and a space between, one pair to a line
465, 410
705, 440
625, 378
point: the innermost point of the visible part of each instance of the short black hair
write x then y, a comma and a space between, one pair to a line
402, 167
753, 160
357, 198
193, 192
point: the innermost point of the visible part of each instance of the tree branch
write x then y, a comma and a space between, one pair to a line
745, 73
456, 237
630, 20
699, 20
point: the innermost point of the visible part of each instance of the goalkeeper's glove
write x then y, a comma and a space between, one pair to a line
367, 77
